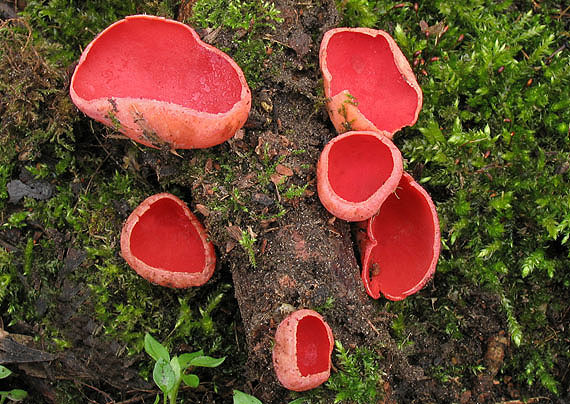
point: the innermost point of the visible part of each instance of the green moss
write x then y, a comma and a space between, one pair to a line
73, 24
295, 191
247, 20
359, 379
247, 241
36, 110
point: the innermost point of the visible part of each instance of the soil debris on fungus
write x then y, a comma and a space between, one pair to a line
368, 81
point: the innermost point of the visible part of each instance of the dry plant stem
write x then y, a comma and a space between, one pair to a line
19, 21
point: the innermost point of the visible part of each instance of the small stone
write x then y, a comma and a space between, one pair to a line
38, 190
262, 199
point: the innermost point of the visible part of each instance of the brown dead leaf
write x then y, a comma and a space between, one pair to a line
230, 245
203, 209
239, 134
211, 34
208, 189
284, 170
277, 179
437, 29
234, 232
266, 222
246, 182
209, 165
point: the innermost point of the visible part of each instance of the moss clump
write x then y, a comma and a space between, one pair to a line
358, 379
34, 105
247, 20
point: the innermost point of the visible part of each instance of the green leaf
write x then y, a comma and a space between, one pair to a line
17, 395
191, 380
185, 359
155, 349
207, 361
175, 365
4, 372
298, 401
157, 399
163, 375
243, 398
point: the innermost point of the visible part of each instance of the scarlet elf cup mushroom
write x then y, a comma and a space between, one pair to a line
368, 82
154, 80
302, 350
166, 244
370, 88
356, 172
400, 245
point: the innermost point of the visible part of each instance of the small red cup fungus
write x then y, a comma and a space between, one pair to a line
302, 350
166, 244
400, 245
356, 172
154, 80
368, 82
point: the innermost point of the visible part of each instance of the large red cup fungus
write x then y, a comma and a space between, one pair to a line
154, 80
368, 82
302, 350
166, 244
356, 172
400, 246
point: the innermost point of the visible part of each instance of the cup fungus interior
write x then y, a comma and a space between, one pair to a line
364, 66
404, 230
164, 237
313, 346
358, 165
160, 60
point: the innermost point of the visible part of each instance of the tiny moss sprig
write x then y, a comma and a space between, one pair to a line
247, 241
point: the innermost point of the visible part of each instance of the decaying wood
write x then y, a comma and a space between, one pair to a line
306, 263
12, 351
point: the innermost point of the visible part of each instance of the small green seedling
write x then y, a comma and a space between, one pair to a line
169, 372
244, 398
12, 395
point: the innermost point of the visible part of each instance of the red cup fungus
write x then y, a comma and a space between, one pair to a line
302, 350
356, 172
368, 82
166, 244
154, 80
400, 245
